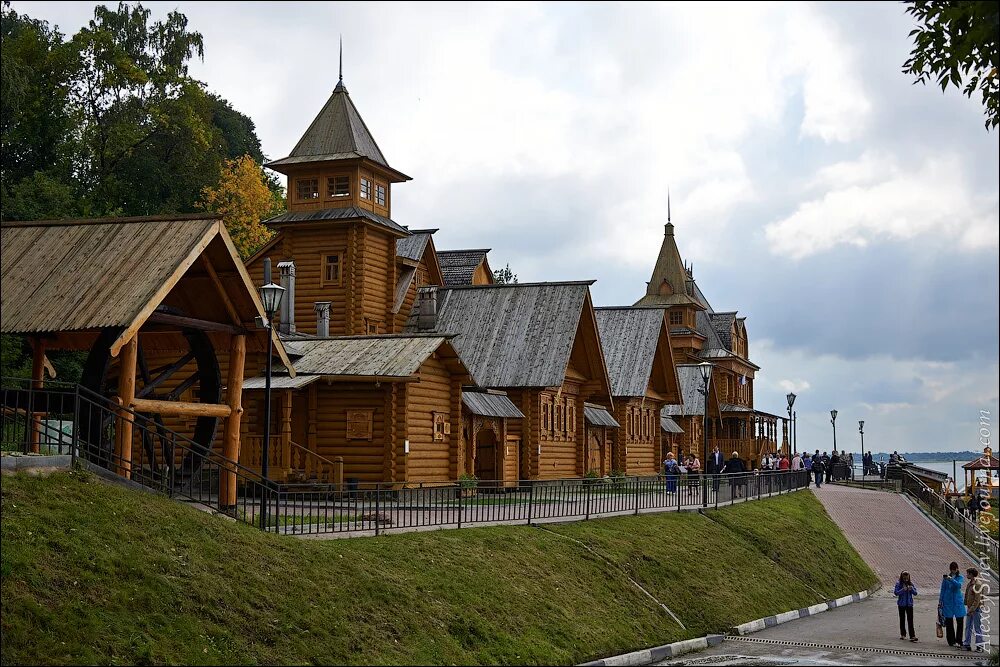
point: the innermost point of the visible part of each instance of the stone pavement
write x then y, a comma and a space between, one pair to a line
891, 535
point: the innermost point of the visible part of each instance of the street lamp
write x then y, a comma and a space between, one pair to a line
833, 421
705, 369
861, 430
270, 295
791, 402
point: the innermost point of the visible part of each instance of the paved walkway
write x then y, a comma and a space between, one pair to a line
891, 535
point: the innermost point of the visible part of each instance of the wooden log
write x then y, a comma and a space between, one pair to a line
194, 323
37, 382
126, 393
180, 408
231, 435
220, 288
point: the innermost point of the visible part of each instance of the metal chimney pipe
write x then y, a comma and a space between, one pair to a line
267, 270
322, 309
427, 309
287, 271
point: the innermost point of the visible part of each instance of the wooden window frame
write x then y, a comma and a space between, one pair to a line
323, 281
365, 189
440, 426
356, 416
303, 179
676, 318
381, 191
331, 192
372, 327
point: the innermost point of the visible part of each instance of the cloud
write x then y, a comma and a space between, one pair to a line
795, 386
876, 199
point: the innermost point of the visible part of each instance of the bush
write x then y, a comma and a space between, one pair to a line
467, 481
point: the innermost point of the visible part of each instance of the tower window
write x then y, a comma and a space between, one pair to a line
380, 194
676, 317
331, 270
307, 188
366, 188
338, 186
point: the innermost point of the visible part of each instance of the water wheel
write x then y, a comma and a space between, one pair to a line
100, 375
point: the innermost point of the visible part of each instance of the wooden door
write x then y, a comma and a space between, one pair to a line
595, 453
486, 455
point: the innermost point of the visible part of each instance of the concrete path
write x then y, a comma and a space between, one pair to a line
891, 535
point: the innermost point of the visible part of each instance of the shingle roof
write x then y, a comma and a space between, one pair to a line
459, 266
487, 404
517, 335
342, 213
692, 400
706, 328
669, 425
338, 132
598, 415
628, 338
412, 247
669, 269
723, 325
366, 356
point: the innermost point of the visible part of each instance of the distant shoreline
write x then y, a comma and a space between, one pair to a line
914, 457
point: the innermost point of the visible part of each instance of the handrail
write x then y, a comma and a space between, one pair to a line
955, 510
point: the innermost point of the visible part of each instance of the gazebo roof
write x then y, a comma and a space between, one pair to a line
985, 462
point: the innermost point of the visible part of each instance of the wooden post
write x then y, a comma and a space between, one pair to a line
37, 382
126, 392
231, 435
286, 432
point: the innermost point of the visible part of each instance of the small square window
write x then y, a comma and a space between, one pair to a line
307, 188
338, 186
380, 194
371, 327
676, 317
366, 188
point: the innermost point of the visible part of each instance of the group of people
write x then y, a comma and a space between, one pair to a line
829, 468
956, 607
734, 467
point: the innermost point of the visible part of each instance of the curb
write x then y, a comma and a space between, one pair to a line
771, 621
15, 462
649, 656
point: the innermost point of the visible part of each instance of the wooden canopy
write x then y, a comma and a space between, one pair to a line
66, 280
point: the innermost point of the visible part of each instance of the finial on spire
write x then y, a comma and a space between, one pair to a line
342, 59
668, 204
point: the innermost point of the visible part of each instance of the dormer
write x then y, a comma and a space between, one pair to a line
337, 164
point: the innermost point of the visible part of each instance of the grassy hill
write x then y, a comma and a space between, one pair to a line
95, 573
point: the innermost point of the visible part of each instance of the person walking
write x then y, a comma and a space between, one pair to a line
736, 470
952, 604
818, 468
905, 591
974, 611
797, 462
831, 468
807, 463
716, 463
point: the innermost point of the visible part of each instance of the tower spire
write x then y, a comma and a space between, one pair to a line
341, 80
668, 204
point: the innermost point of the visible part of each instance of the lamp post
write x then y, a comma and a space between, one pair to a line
833, 421
270, 296
705, 369
791, 402
861, 430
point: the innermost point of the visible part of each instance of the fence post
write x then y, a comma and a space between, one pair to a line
75, 440
637, 496
377, 494
587, 490
460, 494
531, 500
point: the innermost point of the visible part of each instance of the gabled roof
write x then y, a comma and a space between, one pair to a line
341, 213
337, 133
61, 276
669, 271
723, 325
629, 338
692, 400
518, 335
706, 327
669, 425
598, 415
459, 266
412, 247
387, 356
490, 404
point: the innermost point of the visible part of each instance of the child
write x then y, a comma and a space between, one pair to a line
905, 590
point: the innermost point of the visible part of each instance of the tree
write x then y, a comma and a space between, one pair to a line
958, 43
243, 199
505, 276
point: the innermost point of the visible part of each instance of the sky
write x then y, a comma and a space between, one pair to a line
851, 216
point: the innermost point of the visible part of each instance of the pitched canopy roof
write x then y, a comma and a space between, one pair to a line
337, 133
598, 415
458, 267
339, 213
631, 339
490, 404
387, 356
71, 278
519, 335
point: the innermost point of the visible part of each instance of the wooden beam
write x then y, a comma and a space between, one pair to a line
37, 382
226, 301
180, 408
231, 434
194, 323
140, 318
126, 393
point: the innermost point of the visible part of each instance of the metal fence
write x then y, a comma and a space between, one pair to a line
91, 429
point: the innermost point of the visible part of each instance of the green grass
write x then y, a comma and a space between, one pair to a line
96, 573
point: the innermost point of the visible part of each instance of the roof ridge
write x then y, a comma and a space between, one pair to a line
445, 252
178, 217
558, 283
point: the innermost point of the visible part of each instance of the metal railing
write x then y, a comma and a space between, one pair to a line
181, 468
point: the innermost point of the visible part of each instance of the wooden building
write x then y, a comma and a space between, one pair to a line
465, 267
700, 334
640, 364
389, 407
129, 290
689, 414
539, 343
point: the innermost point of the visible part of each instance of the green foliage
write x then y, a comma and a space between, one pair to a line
504, 276
467, 481
96, 573
958, 43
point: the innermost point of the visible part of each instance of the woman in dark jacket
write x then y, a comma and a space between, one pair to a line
904, 591
735, 469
